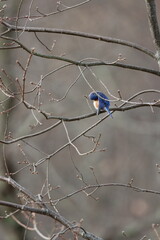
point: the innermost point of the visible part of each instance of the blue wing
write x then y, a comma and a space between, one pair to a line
103, 103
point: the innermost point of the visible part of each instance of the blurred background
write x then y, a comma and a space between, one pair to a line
131, 138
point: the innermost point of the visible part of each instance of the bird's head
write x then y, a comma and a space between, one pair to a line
93, 96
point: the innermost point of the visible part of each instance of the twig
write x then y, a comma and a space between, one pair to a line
77, 150
43, 43
31, 135
154, 226
25, 72
60, 10
96, 186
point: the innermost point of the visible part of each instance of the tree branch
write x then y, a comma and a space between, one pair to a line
66, 119
154, 27
44, 210
83, 62
96, 186
81, 34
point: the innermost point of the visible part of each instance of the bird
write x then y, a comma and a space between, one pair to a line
100, 102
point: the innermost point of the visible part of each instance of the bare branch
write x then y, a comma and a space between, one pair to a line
85, 64
152, 16
43, 210
82, 34
96, 186
31, 135
28, 95
154, 27
61, 8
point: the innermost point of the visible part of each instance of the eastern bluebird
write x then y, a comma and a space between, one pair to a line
100, 102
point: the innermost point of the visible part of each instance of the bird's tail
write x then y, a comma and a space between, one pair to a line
107, 110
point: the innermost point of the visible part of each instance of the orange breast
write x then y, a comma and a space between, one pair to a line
96, 104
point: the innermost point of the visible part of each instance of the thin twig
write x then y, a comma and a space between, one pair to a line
31, 135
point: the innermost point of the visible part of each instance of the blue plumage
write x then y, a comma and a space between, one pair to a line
100, 102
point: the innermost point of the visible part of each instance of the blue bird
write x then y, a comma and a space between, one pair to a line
100, 102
